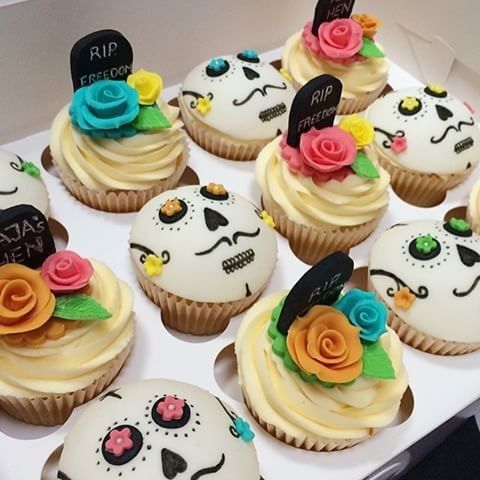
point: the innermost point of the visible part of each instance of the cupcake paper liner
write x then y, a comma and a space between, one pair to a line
189, 316
347, 106
217, 143
55, 409
121, 201
317, 444
312, 244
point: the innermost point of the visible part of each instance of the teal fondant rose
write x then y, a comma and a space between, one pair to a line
364, 311
105, 109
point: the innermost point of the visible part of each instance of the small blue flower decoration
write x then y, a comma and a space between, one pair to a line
248, 53
243, 429
217, 64
364, 311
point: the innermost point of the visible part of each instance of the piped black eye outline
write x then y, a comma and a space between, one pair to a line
243, 58
176, 216
435, 94
127, 455
412, 249
410, 113
217, 73
457, 233
211, 196
172, 424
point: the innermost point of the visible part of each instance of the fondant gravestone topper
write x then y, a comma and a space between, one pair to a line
101, 55
24, 236
321, 285
314, 106
328, 10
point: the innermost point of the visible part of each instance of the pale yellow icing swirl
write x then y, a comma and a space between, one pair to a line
309, 411
81, 356
350, 202
357, 79
132, 163
474, 207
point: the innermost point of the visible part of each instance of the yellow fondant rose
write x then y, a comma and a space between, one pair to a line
149, 86
359, 128
325, 344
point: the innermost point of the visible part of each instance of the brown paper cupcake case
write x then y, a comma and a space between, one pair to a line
474, 222
196, 318
318, 445
55, 409
312, 244
121, 201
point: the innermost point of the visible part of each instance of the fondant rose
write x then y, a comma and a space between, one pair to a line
322, 154
148, 85
66, 272
368, 23
360, 129
365, 312
105, 109
325, 344
26, 302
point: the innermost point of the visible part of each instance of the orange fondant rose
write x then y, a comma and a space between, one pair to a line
26, 302
325, 344
369, 24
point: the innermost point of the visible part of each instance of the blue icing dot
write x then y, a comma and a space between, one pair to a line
216, 64
248, 53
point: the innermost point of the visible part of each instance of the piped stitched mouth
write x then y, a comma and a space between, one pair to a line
464, 145
273, 112
239, 261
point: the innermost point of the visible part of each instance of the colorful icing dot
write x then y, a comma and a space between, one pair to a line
268, 219
171, 408
216, 64
404, 298
410, 103
31, 169
216, 189
459, 224
243, 429
248, 53
119, 441
153, 265
204, 105
399, 144
433, 87
425, 244
171, 207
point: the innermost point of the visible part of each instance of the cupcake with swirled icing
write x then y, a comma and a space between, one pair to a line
342, 45
118, 143
473, 207
318, 370
65, 332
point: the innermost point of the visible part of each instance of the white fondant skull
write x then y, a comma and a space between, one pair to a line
443, 276
440, 132
249, 99
214, 249
138, 432
17, 187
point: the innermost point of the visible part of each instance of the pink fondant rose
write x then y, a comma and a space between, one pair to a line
339, 40
66, 272
324, 154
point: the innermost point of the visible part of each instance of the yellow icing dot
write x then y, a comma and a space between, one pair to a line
153, 265
410, 103
436, 88
216, 189
204, 105
268, 219
171, 207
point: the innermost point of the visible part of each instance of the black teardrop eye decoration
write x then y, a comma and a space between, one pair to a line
424, 247
172, 211
122, 444
171, 412
435, 91
214, 191
409, 106
217, 67
250, 56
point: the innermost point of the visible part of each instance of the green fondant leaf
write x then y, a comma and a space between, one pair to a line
79, 307
376, 363
364, 167
150, 118
279, 346
370, 49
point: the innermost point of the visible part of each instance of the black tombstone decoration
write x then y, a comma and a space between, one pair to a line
321, 285
25, 236
328, 10
105, 54
314, 105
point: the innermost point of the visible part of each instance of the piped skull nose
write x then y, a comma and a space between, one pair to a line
214, 219
250, 74
468, 256
443, 112
172, 464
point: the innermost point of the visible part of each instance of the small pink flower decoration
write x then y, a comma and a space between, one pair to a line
171, 408
339, 40
323, 155
399, 144
66, 272
119, 441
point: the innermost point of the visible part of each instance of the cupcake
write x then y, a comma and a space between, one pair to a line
159, 429
65, 332
118, 143
318, 370
473, 208
322, 183
21, 183
427, 140
427, 273
341, 45
203, 254
234, 105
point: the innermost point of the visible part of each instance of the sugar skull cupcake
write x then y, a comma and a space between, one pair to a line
427, 140
342, 45
319, 370
233, 105
159, 429
118, 143
427, 273
203, 254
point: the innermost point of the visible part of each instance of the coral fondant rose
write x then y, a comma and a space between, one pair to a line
368, 23
26, 302
325, 344
148, 85
360, 129
66, 272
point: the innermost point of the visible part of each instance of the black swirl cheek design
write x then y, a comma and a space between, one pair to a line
458, 293
17, 166
390, 136
196, 96
230, 265
165, 255
232, 418
422, 290
210, 470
